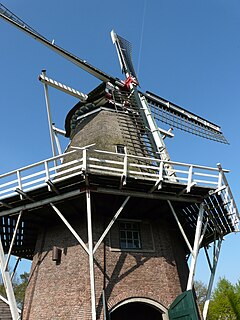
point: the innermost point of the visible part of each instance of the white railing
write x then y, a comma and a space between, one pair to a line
101, 162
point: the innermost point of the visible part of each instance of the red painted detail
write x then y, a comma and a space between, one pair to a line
108, 96
130, 80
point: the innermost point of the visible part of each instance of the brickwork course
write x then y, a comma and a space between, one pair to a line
61, 290
5, 313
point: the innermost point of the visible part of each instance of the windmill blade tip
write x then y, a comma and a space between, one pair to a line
113, 36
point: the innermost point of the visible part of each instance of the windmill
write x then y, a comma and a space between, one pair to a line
144, 213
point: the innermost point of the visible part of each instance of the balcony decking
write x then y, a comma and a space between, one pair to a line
30, 189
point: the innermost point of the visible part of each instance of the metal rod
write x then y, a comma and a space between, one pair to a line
47, 174
74, 59
12, 242
229, 190
125, 171
195, 248
97, 190
203, 233
208, 259
59, 131
84, 165
210, 285
52, 187
15, 268
105, 311
8, 285
146, 195
147, 116
90, 250
42, 202
158, 183
57, 142
110, 224
69, 227
49, 116
19, 182
190, 176
180, 227
57, 85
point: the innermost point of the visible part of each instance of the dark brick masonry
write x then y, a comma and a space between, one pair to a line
62, 290
5, 313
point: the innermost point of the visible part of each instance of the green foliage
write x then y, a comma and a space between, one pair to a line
2, 290
225, 302
19, 287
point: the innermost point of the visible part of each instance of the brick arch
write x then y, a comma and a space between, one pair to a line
131, 293
148, 301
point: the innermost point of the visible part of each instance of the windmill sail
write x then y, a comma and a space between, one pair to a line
124, 49
10, 17
175, 116
163, 110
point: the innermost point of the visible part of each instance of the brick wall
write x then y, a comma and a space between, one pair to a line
5, 313
62, 290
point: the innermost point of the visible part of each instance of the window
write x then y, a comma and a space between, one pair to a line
120, 148
129, 235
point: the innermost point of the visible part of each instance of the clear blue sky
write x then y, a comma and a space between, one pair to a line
187, 51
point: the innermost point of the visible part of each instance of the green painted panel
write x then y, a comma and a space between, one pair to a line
184, 307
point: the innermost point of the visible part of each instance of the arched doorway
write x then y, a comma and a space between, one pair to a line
139, 309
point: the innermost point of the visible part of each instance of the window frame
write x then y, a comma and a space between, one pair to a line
124, 149
132, 232
114, 237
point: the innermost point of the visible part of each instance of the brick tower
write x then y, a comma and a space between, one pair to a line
110, 223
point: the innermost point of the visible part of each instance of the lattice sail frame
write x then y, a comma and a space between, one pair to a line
175, 116
125, 54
